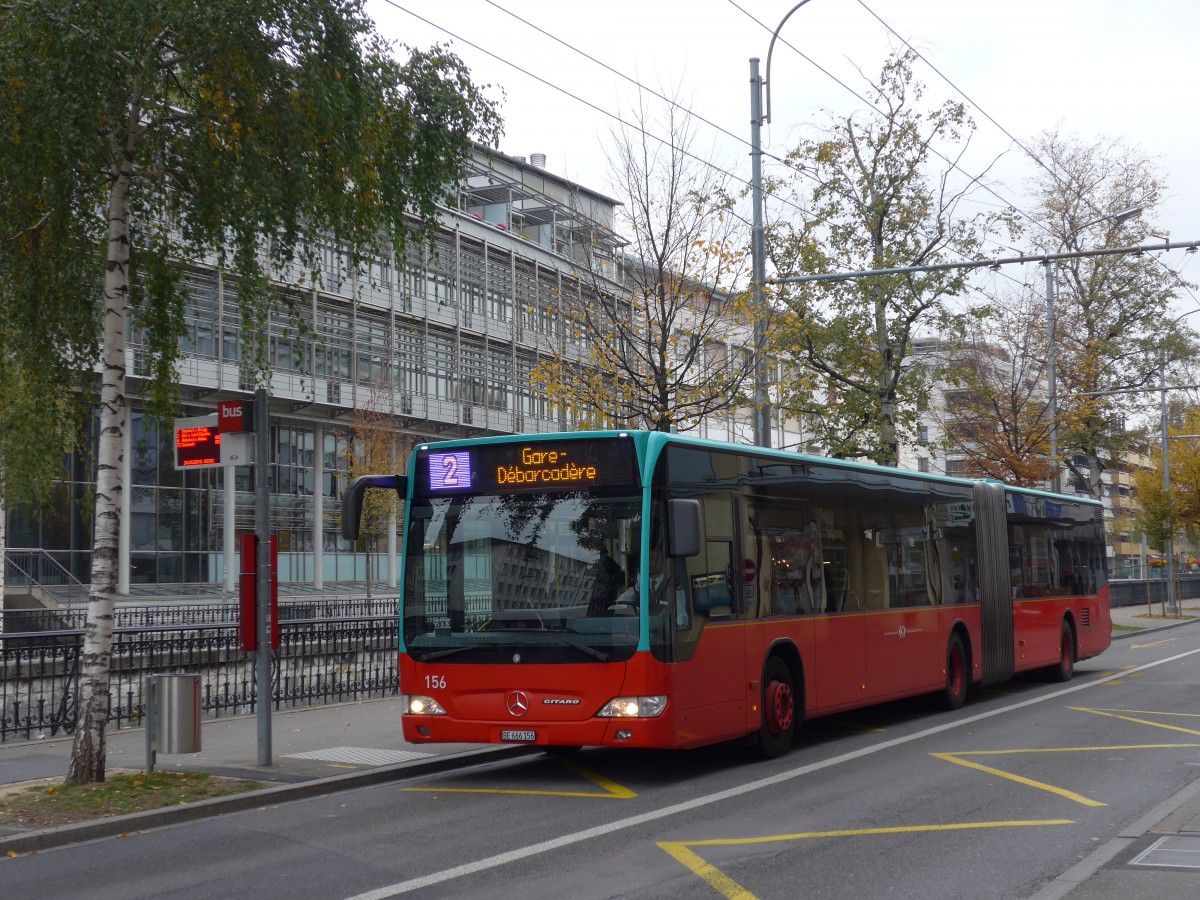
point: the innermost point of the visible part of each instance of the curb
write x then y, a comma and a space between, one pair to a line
34, 841
1150, 629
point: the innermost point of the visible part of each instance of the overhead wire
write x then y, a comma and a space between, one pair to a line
708, 163
1027, 151
614, 116
975, 179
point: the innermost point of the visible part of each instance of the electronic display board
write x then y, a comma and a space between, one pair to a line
197, 442
534, 465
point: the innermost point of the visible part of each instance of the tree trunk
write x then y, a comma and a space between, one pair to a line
3, 522
88, 751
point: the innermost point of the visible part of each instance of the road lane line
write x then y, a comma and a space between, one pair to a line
1114, 714
1019, 779
566, 840
612, 790
681, 851
956, 758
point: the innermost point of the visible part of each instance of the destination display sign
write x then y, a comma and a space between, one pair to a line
535, 465
197, 442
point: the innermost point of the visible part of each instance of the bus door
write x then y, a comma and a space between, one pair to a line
905, 640
839, 655
707, 620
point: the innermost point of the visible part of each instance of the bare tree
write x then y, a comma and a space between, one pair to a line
666, 341
377, 446
1113, 329
995, 410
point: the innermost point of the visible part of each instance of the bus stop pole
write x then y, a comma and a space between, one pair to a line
262, 576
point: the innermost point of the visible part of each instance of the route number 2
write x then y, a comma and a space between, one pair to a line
435, 681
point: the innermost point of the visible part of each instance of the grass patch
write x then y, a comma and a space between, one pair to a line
51, 803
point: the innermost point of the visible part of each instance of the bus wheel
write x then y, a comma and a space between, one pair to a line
1065, 669
778, 709
954, 694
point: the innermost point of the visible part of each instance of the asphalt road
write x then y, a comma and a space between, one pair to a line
993, 801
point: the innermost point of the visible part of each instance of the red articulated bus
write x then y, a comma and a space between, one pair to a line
640, 589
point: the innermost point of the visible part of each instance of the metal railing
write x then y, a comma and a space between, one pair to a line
36, 569
332, 652
1131, 592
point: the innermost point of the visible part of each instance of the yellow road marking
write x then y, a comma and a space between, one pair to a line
1042, 786
727, 887
611, 790
840, 726
1120, 714
1141, 712
1161, 643
710, 874
611, 787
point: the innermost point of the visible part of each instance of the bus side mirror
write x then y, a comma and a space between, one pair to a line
683, 527
352, 498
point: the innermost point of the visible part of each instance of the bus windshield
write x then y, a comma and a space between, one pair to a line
533, 576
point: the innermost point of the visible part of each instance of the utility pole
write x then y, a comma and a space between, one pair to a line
762, 400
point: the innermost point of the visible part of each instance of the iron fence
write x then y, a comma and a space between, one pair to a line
347, 651
1131, 592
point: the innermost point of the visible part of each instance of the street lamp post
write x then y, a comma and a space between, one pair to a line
1166, 467
762, 407
1114, 218
760, 91
1172, 605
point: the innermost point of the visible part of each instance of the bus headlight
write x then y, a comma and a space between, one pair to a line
414, 705
634, 707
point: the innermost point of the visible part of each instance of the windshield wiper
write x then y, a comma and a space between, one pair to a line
556, 635
450, 651
584, 648
559, 636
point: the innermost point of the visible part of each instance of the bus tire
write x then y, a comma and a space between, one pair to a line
958, 674
1064, 669
779, 711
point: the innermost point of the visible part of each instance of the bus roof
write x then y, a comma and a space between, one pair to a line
651, 443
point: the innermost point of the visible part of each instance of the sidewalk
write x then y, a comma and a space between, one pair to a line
306, 744
314, 750
1142, 617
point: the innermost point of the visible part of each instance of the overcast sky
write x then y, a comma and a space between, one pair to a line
1095, 68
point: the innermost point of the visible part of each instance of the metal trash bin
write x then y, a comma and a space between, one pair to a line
177, 725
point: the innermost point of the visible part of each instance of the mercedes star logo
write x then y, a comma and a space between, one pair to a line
518, 703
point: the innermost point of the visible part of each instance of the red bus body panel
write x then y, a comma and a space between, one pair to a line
1038, 622
849, 660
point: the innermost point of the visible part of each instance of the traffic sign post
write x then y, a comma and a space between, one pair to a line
235, 416
262, 578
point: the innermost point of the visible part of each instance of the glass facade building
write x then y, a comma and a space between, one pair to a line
446, 335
